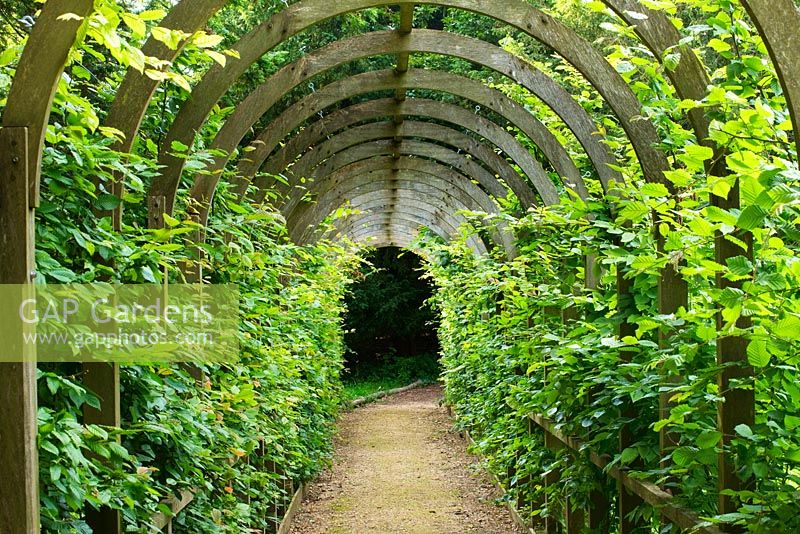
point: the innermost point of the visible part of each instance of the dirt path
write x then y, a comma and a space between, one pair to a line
399, 469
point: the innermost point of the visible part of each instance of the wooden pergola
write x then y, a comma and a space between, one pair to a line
403, 173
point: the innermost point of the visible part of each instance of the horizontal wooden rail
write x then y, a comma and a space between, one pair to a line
682, 517
162, 520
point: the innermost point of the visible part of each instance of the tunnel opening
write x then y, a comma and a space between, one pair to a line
390, 328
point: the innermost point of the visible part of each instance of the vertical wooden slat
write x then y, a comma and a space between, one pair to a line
673, 293
405, 27
193, 273
738, 406
551, 523
19, 489
626, 501
574, 518
103, 380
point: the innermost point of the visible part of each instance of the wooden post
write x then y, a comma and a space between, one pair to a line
19, 460
626, 502
551, 524
738, 405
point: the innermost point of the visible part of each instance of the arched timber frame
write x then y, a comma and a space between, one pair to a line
420, 216
407, 147
401, 203
490, 130
28, 108
259, 102
575, 117
397, 235
368, 177
374, 109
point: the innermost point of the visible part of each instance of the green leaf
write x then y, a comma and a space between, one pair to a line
695, 156
55, 472
788, 328
744, 431
177, 146
62, 275
683, 456
7, 56
634, 211
107, 202
791, 421
757, 354
654, 190
708, 439
136, 24
204, 40
629, 455
752, 217
147, 274
740, 266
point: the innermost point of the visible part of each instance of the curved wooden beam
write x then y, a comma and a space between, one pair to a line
366, 142
380, 239
398, 236
386, 130
264, 97
778, 22
429, 210
440, 81
415, 215
517, 13
383, 181
357, 165
335, 192
575, 117
424, 152
403, 200
393, 229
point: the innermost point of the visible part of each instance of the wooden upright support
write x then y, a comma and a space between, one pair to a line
103, 380
19, 461
673, 294
627, 502
738, 406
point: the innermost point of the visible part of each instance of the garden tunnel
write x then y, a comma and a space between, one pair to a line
405, 162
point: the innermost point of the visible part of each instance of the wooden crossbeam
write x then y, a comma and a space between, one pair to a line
647, 491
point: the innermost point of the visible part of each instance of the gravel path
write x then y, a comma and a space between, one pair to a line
398, 468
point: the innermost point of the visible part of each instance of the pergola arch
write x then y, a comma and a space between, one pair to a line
427, 131
430, 41
493, 134
574, 116
416, 215
397, 237
401, 200
358, 165
400, 150
311, 214
516, 13
440, 81
308, 217
27, 113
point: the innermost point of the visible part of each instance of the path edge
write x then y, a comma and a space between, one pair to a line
355, 403
294, 507
515, 515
